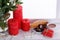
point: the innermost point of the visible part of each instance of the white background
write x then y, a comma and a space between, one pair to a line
39, 9
58, 9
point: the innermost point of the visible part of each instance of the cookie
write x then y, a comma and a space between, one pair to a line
38, 22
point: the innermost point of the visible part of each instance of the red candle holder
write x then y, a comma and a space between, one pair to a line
13, 27
25, 25
17, 14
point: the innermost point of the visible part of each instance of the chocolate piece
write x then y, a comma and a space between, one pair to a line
40, 28
44, 26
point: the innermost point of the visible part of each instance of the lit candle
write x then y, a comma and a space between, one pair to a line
25, 25
17, 14
13, 27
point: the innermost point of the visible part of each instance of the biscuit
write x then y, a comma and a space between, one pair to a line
36, 23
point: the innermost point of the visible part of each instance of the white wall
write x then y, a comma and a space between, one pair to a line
58, 9
39, 9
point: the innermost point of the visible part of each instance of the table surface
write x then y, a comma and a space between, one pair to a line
32, 35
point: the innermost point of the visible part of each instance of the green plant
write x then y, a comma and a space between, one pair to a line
5, 7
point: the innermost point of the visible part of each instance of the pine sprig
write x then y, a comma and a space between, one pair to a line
5, 7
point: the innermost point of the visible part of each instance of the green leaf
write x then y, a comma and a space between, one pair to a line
1, 18
3, 25
13, 8
0, 3
19, 2
1, 14
16, 0
8, 1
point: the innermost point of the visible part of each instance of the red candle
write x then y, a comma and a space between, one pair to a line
13, 27
17, 14
25, 25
